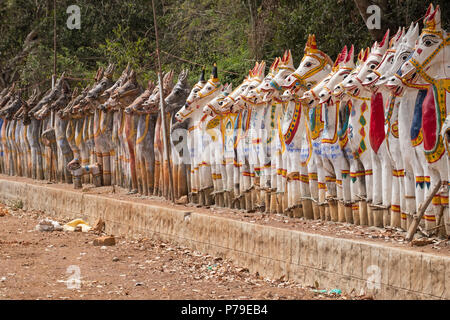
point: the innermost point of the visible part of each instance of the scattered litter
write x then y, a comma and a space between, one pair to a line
75, 225
333, 291
182, 200
48, 225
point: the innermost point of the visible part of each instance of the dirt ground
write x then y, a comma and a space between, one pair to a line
42, 265
393, 237
34, 265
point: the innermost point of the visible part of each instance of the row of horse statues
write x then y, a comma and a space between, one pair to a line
361, 142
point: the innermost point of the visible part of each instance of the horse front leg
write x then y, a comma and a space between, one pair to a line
358, 194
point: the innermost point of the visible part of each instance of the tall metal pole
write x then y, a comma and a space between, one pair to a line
163, 114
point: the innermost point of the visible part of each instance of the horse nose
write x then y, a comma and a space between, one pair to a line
322, 95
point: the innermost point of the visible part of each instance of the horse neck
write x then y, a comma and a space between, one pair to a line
196, 115
331, 113
357, 107
60, 123
407, 104
438, 71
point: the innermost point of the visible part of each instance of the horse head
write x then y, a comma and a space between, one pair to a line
391, 78
386, 62
342, 67
208, 92
431, 54
315, 65
179, 93
213, 108
285, 68
128, 91
350, 84
263, 93
108, 92
103, 81
256, 76
43, 106
373, 60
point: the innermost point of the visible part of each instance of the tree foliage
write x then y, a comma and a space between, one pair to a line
233, 33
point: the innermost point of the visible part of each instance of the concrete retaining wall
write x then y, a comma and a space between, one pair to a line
270, 251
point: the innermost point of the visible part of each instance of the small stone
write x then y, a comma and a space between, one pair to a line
105, 241
115, 259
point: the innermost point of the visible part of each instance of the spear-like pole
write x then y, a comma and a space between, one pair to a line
163, 114
52, 113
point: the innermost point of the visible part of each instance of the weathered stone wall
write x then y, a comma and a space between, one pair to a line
270, 251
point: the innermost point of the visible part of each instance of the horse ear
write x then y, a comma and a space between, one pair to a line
433, 20
366, 54
415, 32
350, 54
290, 59
313, 43
132, 75
75, 93
375, 45
384, 43
168, 78
262, 69
429, 11
342, 56
276, 63
255, 69
224, 87
307, 46
98, 75
182, 77
109, 71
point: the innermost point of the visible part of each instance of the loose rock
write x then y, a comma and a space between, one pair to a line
105, 241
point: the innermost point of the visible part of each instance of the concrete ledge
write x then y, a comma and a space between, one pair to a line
383, 271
